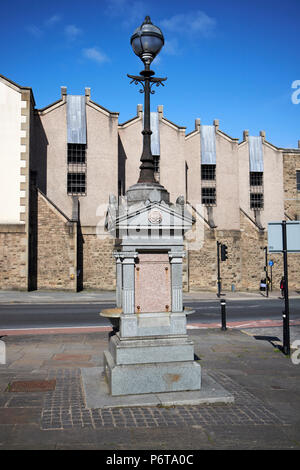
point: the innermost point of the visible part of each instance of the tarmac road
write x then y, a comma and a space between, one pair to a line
72, 315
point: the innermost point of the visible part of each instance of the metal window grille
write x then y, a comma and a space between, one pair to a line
208, 172
76, 184
209, 196
76, 158
256, 178
256, 200
156, 161
76, 153
298, 180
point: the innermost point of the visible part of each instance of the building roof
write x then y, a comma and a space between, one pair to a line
16, 85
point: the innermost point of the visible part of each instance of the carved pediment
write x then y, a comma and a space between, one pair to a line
149, 215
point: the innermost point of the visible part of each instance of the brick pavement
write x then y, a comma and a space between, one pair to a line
65, 408
265, 384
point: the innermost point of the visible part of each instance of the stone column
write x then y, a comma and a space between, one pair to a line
128, 264
176, 280
119, 279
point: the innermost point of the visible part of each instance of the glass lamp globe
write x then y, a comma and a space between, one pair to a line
146, 41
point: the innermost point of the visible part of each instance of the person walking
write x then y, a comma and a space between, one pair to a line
282, 286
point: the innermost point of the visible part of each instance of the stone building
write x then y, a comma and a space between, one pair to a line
61, 163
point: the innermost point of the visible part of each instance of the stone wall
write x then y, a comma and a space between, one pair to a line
244, 267
203, 266
57, 248
99, 268
253, 242
13, 257
291, 164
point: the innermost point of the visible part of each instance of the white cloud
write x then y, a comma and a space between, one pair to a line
72, 32
34, 30
93, 53
171, 47
54, 19
38, 31
115, 7
191, 23
132, 12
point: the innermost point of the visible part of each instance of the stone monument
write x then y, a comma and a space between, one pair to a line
149, 350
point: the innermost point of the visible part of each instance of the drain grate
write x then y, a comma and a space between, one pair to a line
31, 386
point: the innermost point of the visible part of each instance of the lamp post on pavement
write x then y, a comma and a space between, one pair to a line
147, 41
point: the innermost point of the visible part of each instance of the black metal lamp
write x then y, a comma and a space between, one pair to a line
146, 41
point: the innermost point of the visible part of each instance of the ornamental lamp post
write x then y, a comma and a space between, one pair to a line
147, 41
150, 351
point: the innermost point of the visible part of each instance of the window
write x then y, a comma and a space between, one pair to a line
256, 178
256, 200
208, 178
76, 184
76, 153
208, 172
209, 196
298, 180
156, 161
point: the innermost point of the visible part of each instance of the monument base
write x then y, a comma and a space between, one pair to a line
151, 365
135, 379
97, 394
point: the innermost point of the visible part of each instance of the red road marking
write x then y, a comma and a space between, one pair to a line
95, 329
245, 324
54, 331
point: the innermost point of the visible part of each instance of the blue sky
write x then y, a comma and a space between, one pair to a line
233, 60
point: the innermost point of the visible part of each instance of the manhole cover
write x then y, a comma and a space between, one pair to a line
31, 386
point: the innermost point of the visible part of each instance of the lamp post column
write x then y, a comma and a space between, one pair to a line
147, 166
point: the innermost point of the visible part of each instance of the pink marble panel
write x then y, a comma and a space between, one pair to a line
152, 283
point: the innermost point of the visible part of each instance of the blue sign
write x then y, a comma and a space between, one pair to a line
271, 263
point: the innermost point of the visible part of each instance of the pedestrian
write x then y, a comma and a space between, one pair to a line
282, 286
263, 284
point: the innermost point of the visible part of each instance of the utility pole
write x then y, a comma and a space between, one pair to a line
266, 270
286, 313
219, 275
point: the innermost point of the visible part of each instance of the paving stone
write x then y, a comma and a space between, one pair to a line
257, 419
71, 357
20, 415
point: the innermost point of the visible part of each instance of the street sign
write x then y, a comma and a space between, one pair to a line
275, 237
271, 263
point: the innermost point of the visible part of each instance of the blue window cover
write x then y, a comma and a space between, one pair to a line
256, 158
208, 145
76, 119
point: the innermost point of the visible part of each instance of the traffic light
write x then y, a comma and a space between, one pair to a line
224, 255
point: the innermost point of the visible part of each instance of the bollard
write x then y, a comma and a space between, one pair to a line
223, 314
286, 335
